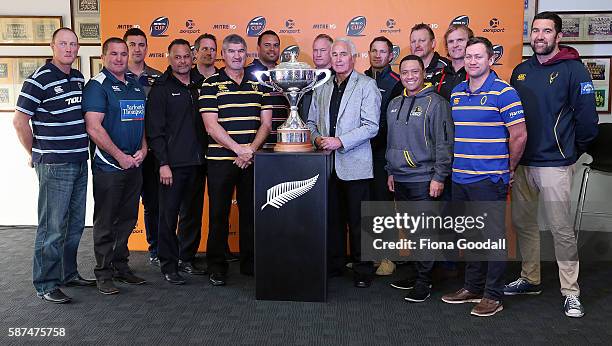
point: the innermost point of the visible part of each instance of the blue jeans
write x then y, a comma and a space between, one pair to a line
62, 192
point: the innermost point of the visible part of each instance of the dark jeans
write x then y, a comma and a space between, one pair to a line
116, 197
62, 193
486, 277
417, 191
345, 199
223, 177
174, 199
190, 218
150, 201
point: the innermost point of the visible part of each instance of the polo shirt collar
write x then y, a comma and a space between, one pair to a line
114, 79
486, 86
56, 69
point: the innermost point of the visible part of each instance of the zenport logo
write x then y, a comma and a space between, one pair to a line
356, 26
159, 27
256, 26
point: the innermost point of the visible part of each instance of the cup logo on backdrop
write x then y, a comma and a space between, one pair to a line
396, 53
287, 52
498, 53
356, 26
256, 26
159, 26
461, 20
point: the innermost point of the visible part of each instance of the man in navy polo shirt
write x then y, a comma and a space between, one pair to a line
57, 146
114, 106
490, 136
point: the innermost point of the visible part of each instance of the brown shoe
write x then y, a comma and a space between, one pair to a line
487, 307
461, 296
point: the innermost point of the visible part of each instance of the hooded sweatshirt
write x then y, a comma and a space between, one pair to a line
559, 102
420, 137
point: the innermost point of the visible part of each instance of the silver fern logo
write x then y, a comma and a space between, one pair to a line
282, 193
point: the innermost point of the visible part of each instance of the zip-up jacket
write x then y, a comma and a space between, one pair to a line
420, 137
447, 80
435, 68
174, 127
559, 102
389, 85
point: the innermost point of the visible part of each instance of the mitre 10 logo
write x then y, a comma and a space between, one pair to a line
356, 26
256, 26
159, 27
461, 20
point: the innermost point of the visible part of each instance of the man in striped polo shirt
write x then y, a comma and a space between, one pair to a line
57, 146
490, 136
237, 113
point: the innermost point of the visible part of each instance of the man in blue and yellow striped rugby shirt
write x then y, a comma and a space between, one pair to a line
490, 136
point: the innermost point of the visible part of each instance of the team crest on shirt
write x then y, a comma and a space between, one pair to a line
58, 89
417, 112
456, 101
552, 77
255, 87
483, 100
521, 76
222, 88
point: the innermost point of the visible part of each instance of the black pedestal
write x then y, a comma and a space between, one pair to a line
291, 225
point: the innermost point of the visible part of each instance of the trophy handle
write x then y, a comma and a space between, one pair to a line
318, 72
258, 75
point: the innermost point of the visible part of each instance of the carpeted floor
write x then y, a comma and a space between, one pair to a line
197, 313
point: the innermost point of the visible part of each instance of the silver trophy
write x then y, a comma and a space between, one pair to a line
293, 79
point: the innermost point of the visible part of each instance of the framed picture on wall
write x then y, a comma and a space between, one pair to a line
85, 15
28, 30
95, 65
14, 70
586, 27
599, 69
531, 9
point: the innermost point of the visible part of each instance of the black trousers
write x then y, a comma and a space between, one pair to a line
150, 201
223, 177
190, 218
116, 197
345, 197
481, 276
379, 189
174, 199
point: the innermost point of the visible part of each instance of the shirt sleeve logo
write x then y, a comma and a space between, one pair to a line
586, 88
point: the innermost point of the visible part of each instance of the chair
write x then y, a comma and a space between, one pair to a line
601, 151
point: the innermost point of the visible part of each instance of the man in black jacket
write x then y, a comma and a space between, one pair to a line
422, 44
175, 131
388, 82
455, 39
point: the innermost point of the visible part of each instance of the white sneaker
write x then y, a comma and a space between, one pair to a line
572, 306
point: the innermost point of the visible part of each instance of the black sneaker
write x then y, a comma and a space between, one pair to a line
191, 268
107, 287
418, 294
56, 296
129, 278
404, 284
230, 257
154, 261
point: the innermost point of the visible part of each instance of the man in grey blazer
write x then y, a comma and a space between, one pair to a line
343, 117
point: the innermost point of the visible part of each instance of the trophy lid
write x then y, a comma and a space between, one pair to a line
293, 64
